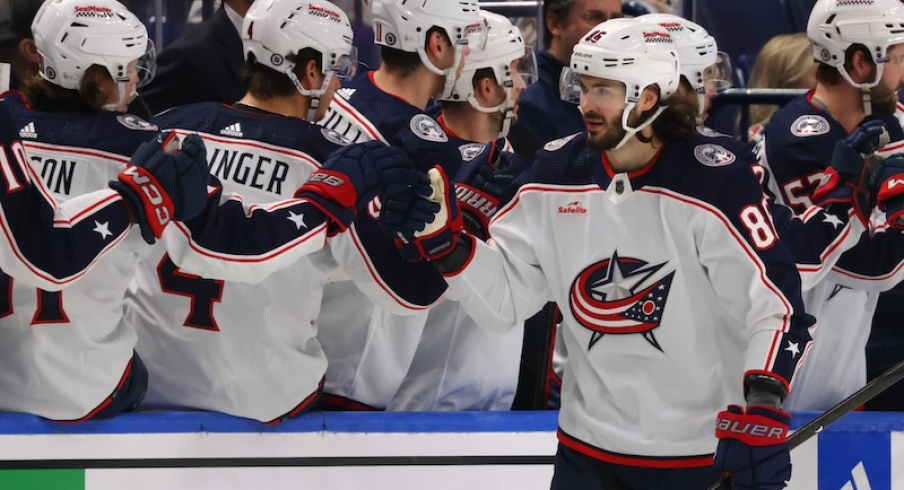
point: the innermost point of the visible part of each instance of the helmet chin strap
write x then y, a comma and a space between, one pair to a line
701, 106
313, 95
632, 131
449, 73
867, 100
122, 98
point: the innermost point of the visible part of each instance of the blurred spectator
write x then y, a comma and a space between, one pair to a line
17, 46
566, 22
786, 61
204, 64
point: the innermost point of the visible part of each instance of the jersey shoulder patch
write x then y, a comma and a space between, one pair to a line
709, 132
426, 128
135, 122
334, 137
810, 125
713, 155
559, 143
470, 150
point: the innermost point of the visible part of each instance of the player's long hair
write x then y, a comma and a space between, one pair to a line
676, 121
49, 97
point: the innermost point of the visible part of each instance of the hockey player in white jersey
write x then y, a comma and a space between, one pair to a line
457, 364
51, 245
423, 46
678, 297
65, 355
861, 66
249, 350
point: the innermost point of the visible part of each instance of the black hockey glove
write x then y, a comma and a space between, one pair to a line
483, 182
437, 236
352, 176
164, 181
887, 184
845, 179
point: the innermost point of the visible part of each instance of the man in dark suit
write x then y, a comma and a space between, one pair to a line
203, 64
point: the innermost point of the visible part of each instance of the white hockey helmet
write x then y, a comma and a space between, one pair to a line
700, 61
403, 25
835, 25
273, 30
72, 35
636, 54
504, 48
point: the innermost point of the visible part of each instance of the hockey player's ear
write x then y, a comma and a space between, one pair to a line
439, 49
311, 77
488, 92
649, 97
861, 67
29, 50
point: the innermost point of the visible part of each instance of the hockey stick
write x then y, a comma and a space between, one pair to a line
861, 396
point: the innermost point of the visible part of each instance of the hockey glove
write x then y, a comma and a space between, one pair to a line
844, 180
482, 183
352, 176
752, 450
887, 184
440, 234
164, 182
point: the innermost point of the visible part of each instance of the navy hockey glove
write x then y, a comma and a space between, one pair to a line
887, 184
844, 180
440, 235
164, 182
352, 176
483, 182
753, 451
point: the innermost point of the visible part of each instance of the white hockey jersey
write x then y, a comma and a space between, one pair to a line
248, 350
65, 352
672, 284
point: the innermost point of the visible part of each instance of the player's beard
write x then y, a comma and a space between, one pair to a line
606, 137
883, 100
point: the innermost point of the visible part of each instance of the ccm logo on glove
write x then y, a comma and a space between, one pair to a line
149, 188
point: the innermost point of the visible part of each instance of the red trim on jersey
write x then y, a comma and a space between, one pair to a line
630, 460
363, 122
379, 280
809, 213
442, 122
370, 76
810, 95
338, 402
308, 402
636, 173
108, 400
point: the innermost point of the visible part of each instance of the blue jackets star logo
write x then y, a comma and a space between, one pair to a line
620, 296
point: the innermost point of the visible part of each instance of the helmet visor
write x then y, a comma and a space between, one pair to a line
597, 92
346, 65
526, 66
147, 65
717, 76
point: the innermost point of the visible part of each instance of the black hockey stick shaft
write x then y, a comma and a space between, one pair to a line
861, 396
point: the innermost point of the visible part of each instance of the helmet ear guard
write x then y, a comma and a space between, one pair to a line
630, 52
273, 31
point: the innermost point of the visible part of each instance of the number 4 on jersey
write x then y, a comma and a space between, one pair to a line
202, 292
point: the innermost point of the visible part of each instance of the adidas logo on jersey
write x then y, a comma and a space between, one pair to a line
28, 131
345, 93
573, 207
232, 130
